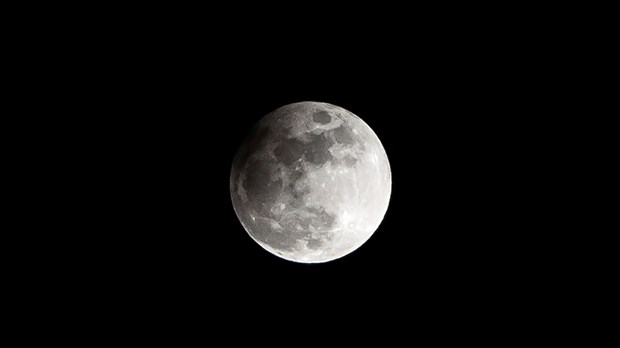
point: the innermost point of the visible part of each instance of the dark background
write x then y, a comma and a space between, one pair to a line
447, 125
166, 106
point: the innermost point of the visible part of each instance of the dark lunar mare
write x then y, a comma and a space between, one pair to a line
263, 187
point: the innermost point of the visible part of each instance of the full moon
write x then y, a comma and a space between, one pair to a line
311, 182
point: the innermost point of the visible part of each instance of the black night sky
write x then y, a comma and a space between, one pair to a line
448, 227
449, 110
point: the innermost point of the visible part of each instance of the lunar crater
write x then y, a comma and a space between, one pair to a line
322, 117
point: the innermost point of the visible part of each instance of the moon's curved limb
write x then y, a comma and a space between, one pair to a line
311, 182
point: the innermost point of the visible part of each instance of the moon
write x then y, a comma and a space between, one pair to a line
311, 182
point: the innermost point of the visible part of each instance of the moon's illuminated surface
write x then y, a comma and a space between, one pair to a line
311, 182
